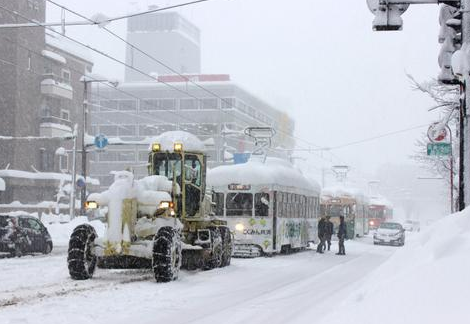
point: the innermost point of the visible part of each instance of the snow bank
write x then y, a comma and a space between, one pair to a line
427, 281
60, 233
274, 171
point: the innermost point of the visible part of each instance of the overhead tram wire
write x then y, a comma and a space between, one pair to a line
137, 70
205, 133
171, 69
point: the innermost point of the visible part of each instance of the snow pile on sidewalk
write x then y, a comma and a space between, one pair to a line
60, 233
427, 281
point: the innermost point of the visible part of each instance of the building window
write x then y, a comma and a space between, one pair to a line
126, 130
187, 104
127, 105
46, 160
209, 103
109, 130
157, 104
66, 76
63, 163
228, 103
108, 105
126, 156
30, 67
65, 114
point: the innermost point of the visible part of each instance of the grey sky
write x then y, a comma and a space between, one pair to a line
318, 60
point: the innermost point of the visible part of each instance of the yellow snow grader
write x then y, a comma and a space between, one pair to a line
163, 221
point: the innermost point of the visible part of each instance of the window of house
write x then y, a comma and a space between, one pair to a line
30, 67
63, 163
126, 130
157, 104
66, 76
108, 105
126, 156
46, 160
64, 114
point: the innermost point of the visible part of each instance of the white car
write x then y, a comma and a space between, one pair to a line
390, 233
411, 226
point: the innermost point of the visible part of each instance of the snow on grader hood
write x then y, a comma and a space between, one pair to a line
163, 221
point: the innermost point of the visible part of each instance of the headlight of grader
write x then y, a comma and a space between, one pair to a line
166, 205
91, 205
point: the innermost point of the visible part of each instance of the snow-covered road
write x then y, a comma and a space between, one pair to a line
297, 288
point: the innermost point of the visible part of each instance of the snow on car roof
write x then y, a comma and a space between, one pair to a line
273, 171
168, 139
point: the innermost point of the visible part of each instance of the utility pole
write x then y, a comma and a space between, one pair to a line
84, 171
72, 184
464, 175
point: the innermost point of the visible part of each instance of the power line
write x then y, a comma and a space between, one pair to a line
140, 71
173, 70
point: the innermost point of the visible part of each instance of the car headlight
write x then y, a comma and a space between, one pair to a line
165, 205
240, 227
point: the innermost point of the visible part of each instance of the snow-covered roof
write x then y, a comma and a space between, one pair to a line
274, 171
66, 45
341, 190
380, 201
54, 56
168, 139
2, 185
43, 176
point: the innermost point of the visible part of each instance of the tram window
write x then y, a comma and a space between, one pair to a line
218, 199
261, 204
239, 204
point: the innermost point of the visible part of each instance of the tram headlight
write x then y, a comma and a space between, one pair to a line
371, 223
240, 227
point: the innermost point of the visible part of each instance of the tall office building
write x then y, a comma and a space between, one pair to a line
166, 36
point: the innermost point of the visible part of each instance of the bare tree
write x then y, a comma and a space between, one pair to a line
446, 98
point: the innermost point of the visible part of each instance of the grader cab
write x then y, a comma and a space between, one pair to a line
163, 221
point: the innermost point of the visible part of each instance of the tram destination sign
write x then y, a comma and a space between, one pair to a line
439, 149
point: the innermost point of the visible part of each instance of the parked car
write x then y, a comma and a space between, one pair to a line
23, 234
390, 233
411, 226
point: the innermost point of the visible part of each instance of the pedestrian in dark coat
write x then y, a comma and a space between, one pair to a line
321, 234
341, 236
328, 231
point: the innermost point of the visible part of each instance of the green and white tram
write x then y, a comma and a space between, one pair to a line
270, 206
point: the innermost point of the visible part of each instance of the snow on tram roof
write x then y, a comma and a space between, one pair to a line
273, 171
341, 190
168, 139
380, 200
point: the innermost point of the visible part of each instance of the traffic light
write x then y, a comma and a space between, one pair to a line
387, 16
450, 36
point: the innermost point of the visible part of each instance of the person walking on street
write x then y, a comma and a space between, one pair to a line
341, 236
321, 234
328, 231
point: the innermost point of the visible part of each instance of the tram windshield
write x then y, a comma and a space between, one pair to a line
336, 210
376, 213
239, 204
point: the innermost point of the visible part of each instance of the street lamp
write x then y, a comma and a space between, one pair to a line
86, 79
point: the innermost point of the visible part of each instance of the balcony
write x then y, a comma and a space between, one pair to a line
51, 126
52, 85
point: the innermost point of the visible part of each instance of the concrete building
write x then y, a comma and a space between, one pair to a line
167, 36
41, 96
139, 110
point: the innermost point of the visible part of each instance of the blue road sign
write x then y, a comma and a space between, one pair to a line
101, 141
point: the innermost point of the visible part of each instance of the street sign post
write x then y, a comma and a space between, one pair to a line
439, 149
101, 141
